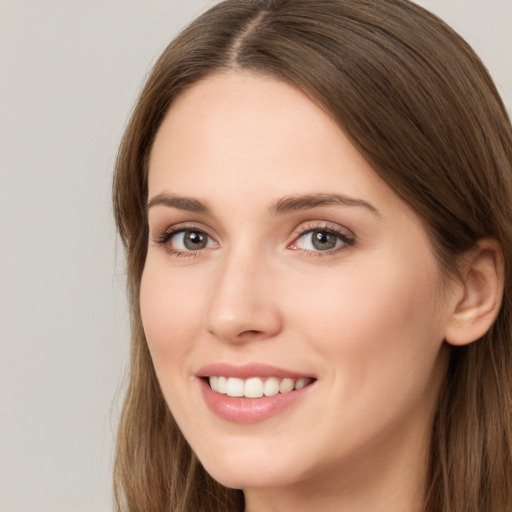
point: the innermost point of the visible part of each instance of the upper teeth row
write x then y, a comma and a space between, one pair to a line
256, 387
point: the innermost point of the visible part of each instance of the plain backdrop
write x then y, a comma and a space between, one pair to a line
70, 72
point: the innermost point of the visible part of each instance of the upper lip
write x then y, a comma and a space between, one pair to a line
246, 371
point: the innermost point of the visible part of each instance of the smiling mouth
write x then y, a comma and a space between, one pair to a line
256, 387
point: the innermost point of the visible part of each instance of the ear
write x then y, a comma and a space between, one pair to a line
478, 303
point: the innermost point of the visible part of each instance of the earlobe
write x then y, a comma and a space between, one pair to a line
477, 307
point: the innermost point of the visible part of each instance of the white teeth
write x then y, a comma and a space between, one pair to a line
235, 387
286, 385
255, 387
222, 385
214, 383
271, 386
301, 383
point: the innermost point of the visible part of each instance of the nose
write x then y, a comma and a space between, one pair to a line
242, 306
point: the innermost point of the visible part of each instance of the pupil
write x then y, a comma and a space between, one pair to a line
323, 241
194, 240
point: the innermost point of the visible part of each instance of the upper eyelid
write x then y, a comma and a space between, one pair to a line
327, 225
185, 226
175, 228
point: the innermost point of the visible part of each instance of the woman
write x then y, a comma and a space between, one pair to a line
315, 201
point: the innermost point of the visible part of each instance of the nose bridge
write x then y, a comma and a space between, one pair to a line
241, 306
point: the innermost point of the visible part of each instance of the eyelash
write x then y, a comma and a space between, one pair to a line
346, 239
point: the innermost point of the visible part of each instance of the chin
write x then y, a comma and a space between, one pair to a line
249, 472
247, 479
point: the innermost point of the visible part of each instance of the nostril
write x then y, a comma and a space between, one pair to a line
250, 334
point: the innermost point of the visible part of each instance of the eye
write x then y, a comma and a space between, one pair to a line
190, 240
321, 239
182, 241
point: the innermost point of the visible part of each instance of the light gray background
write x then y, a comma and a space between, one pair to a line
69, 75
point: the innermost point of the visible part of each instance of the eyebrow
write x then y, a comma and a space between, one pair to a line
284, 205
181, 203
305, 202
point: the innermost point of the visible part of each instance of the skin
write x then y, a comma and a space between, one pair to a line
366, 319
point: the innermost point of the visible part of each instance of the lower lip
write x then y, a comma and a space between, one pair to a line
249, 410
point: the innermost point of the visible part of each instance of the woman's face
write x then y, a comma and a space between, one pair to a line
278, 259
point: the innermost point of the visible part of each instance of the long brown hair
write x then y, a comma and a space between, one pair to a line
421, 108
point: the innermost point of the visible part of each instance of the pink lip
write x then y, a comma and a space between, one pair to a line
249, 410
248, 370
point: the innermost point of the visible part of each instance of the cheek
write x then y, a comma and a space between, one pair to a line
366, 299
379, 323
169, 312
380, 330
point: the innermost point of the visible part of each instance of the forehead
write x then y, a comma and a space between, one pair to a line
244, 110
242, 127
